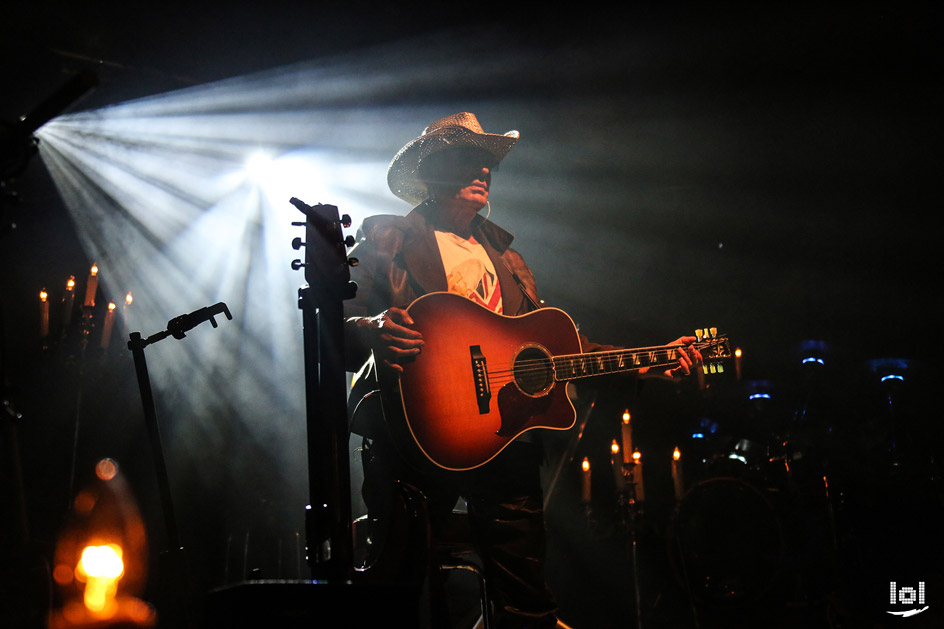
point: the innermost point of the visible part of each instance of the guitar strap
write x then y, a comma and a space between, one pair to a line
524, 289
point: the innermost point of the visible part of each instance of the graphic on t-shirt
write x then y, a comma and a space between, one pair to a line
469, 271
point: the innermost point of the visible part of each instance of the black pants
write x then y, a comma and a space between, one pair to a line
506, 513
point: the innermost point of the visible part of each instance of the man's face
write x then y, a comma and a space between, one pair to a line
463, 175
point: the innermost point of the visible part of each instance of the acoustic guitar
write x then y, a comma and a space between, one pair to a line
482, 379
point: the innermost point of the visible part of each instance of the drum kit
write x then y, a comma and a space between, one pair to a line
785, 486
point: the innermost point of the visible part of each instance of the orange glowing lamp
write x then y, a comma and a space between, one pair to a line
101, 558
101, 568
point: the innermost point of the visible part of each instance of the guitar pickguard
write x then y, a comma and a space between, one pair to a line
518, 410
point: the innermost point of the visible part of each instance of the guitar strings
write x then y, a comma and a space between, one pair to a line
508, 372
604, 356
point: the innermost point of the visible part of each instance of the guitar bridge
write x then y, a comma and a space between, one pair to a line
483, 392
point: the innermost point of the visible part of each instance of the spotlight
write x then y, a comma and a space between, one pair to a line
259, 167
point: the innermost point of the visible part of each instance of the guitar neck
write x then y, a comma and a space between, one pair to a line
575, 366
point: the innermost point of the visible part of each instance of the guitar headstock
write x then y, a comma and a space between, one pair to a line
326, 263
714, 349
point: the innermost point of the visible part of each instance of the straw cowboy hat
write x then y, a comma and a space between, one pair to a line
456, 131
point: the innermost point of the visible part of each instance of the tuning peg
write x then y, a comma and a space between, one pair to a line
298, 223
345, 220
349, 241
297, 243
297, 264
353, 261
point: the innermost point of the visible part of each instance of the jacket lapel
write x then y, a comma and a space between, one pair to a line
421, 254
496, 241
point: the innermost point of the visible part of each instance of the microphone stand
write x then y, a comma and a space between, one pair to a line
174, 567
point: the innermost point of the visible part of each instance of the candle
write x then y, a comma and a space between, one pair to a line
91, 287
627, 434
677, 481
617, 463
67, 301
43, 314
106, 327
125, 312
585, 479
637, 476
737, 363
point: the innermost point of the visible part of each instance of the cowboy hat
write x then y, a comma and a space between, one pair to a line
455, 131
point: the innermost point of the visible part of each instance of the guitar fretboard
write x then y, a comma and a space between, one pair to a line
573, 366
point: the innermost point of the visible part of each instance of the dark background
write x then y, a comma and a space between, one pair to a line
778, 165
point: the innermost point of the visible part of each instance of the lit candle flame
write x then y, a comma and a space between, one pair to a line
585, 464
70, 283
626, 416
615, 447
43, 295
676, 455
94, 269
128, 299
637, 456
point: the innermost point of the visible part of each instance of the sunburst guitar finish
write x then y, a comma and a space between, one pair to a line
483, 379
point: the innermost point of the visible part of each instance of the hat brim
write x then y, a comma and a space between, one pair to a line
403, 172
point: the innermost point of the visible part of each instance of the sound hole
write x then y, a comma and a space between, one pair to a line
534, 371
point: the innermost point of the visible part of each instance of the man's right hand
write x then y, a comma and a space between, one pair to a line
391, 339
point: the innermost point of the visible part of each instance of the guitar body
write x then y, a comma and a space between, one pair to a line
481, 380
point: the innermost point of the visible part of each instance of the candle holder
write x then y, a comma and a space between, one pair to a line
630, 507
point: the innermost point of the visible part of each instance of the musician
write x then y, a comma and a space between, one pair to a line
445, 244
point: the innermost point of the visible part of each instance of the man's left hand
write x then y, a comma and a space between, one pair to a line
689, 360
